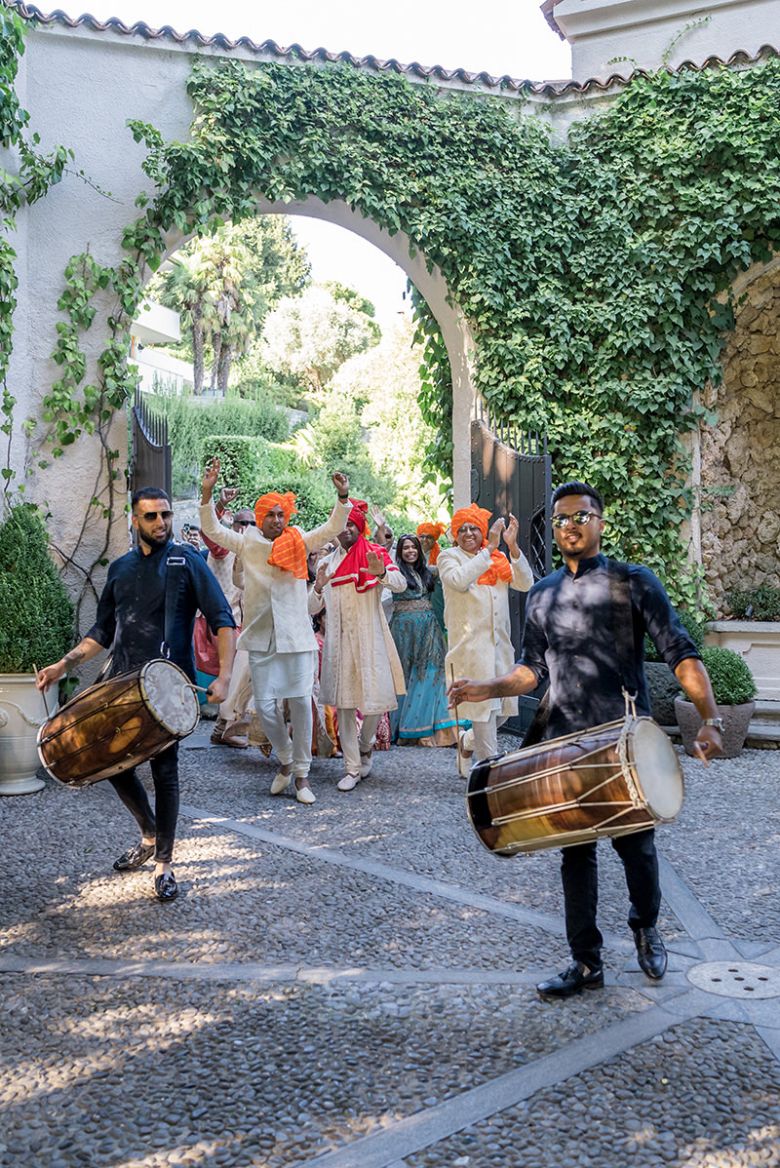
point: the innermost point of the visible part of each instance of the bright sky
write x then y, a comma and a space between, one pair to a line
494, 36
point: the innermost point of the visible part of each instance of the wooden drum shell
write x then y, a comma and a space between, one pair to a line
565, 791
107, 729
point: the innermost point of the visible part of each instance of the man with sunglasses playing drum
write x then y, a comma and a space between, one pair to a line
569, 639
131, 620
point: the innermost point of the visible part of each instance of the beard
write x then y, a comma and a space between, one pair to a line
155, 541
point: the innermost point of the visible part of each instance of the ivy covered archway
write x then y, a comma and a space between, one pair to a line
593, 274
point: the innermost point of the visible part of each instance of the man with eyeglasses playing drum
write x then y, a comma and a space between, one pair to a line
136, 617
569, 640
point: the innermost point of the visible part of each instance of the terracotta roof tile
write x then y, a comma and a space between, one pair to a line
480, 81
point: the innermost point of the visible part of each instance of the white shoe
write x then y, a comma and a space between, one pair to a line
305, 795
348, 783
465, 757
366, 763
281, 783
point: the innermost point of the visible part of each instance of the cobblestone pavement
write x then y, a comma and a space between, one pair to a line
351, 985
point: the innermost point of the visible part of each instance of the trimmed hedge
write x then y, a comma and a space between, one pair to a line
37, 624
756, 604
732, 681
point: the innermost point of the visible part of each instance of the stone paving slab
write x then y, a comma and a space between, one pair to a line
259, 1076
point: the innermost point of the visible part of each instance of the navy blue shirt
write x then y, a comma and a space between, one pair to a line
568, 638
131, 609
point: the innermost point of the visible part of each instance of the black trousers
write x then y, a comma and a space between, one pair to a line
579, 871
161, 823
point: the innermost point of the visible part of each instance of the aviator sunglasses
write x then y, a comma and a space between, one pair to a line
581, 518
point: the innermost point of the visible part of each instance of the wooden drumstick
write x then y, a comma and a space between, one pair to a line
43, 693
457, 723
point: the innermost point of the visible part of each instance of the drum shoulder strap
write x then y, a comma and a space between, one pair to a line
623, 624
175, 569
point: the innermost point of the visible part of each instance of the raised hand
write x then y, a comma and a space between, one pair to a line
376, 564
323, 576
210, 476
495, 533
341, 482
227, 495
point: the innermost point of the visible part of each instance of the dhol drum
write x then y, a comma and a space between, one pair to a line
612, 780
118, 723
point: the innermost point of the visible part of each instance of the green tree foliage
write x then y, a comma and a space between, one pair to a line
37, 624
310, 336
224, 285
384, 385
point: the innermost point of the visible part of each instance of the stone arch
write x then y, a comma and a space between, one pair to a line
433, 287
740, 456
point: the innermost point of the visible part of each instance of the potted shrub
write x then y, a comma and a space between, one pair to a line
36, 628
734, 689
753, 630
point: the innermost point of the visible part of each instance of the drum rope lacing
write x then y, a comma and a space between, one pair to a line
622, 748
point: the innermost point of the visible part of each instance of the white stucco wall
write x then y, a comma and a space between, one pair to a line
644, 32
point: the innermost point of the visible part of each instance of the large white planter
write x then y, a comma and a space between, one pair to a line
759, 643
22, 710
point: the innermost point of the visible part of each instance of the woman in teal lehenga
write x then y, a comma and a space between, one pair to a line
423, 717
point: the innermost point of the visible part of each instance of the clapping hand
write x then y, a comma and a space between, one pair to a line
495, 533
510, 536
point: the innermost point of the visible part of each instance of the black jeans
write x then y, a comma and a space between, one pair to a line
161, 822
579, 871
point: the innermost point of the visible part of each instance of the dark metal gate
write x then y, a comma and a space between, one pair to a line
150, 454
511, 473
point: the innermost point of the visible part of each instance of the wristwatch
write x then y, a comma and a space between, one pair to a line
716, 722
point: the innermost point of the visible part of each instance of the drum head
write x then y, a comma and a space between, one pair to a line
169, 695
657, 768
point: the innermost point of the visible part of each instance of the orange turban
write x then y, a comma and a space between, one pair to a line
289, 550
436, 530
471, 514
359, 516
500, 568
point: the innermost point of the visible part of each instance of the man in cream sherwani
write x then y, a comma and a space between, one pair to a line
476, 578
277, 631
361, 669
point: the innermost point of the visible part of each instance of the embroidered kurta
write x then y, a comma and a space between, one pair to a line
275, 601
361, 668
477, 620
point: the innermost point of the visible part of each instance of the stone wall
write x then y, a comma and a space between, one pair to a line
741, 454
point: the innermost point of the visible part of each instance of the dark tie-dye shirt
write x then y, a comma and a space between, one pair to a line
568, 638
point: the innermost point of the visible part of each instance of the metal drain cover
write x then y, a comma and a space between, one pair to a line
736, 979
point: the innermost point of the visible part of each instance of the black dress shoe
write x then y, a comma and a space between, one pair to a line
134, 857
573, 980
651, 953
165, 886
